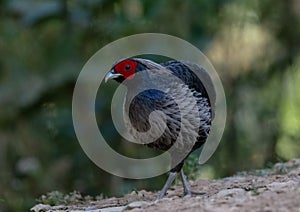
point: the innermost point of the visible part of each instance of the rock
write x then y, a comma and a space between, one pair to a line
40, 207
282, 185
111, 209
230, 192
138, 204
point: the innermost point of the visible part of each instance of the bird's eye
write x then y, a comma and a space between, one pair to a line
127, 67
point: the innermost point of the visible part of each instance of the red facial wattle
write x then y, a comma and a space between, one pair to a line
127, 68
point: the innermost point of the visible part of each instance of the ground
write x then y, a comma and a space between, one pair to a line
276, 189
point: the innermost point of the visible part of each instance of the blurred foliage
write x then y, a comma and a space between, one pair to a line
254, 46
58, 198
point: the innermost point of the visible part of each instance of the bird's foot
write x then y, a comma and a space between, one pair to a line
160, 195
186, 186
170, 179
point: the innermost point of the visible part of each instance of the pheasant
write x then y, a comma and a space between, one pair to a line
158, 90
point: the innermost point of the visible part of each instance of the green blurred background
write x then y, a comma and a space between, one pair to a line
254, 45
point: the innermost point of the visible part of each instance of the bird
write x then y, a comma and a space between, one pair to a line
188, 105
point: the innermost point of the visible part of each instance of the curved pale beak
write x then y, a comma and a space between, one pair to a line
111, 75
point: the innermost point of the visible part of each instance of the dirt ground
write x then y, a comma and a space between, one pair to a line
276, 189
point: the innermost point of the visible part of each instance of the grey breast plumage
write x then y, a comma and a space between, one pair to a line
189, 114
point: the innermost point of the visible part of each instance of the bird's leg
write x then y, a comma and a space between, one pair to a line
186, 185
167, 185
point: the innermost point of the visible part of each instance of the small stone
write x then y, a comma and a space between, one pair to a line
111, 209
90, 208
230, 192
138, 204
40, 207
281, 185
